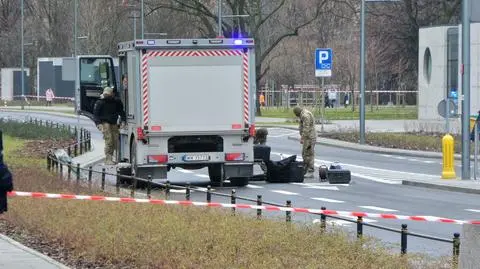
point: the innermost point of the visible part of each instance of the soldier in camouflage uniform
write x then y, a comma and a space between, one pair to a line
308, 138
106, 111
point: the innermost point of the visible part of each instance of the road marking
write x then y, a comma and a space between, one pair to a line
343, 222
378, 208
254, 186
327, 200
400, 157
430, 162
386, 181
473, 210
185, 171
319, 186
386, 155
202, 175
285, 192
330, 188
178, 191
413, 160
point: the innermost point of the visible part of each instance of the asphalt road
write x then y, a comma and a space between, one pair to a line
375, 188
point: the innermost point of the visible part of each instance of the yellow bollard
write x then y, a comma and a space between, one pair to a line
448, 169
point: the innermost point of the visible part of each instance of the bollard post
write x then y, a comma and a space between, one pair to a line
134, 187
80, 145
456, 249
448, 168
259, 203
75, 132
75, 150
78, 172
209, 194
48, 162
167, 190
103, 179
90, 171
233, 200
323, 219
61, 171
359, 227
149, 187
288, 213
69, 170
403, 242
187, 192
69, 151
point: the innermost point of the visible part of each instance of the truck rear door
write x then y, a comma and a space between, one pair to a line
196, 89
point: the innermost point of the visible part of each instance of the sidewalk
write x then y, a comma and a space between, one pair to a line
18, 256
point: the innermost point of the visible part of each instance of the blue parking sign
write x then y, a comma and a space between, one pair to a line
323, 62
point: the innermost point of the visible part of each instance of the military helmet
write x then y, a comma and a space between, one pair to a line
297, 110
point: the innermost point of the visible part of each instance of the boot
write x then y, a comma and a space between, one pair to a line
309, 174
109, 160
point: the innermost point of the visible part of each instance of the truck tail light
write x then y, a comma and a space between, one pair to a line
234, 156
163, 158
140, 134
251, 130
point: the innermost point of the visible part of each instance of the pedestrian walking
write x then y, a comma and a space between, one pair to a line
106, 112
49, 95
6, 181
308, 138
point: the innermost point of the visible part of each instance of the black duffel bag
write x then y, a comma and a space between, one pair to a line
285, 171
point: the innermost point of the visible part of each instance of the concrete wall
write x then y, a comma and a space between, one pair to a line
470, 247
433, 91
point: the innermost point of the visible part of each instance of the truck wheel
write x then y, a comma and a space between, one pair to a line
239, 181
215, 172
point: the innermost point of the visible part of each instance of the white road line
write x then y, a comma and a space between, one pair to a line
413, 160
400, 157
378, 208
327, 200
398, 182
386, 155
178, 191
285, 192
473, 210
185, 171
430, 162
330, 188
254, 186
202, 175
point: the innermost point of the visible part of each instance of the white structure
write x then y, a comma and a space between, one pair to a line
11, 83
439, 68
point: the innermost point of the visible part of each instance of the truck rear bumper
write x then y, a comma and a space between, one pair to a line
238, 169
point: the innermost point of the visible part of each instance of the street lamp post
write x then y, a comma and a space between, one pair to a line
142, 15
23, 64
362, 66
466, 89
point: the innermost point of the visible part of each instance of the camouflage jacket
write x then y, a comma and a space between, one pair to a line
307, 125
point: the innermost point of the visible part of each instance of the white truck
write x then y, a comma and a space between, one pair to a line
190, 103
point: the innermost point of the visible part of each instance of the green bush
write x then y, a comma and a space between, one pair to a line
31, 130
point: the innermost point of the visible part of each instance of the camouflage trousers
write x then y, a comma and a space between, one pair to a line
308, 155
110, 136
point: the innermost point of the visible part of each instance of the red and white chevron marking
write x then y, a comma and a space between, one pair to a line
197, 53
240, 206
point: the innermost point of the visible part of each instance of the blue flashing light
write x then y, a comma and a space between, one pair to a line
238, 42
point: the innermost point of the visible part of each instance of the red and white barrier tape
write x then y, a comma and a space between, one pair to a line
43, 97
241, 206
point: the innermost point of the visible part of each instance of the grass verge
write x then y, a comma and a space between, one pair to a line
408, 141
341, 113
88, 234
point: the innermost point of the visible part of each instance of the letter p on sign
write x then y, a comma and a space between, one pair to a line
323, 62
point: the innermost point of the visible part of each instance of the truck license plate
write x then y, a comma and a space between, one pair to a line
193, 158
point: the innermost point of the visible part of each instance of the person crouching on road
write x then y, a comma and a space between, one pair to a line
308, 138
6, 182
106, 112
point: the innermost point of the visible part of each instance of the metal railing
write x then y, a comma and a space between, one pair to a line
84, 145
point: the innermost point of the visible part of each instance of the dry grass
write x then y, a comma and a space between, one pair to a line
114, 235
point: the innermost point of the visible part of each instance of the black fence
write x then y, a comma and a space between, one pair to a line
54, 164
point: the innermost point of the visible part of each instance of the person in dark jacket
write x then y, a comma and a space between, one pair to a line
6, 182
106, 112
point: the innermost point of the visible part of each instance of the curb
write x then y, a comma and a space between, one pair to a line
33, 252
374, 149
440, 187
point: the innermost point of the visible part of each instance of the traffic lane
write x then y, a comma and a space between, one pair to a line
359, 158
